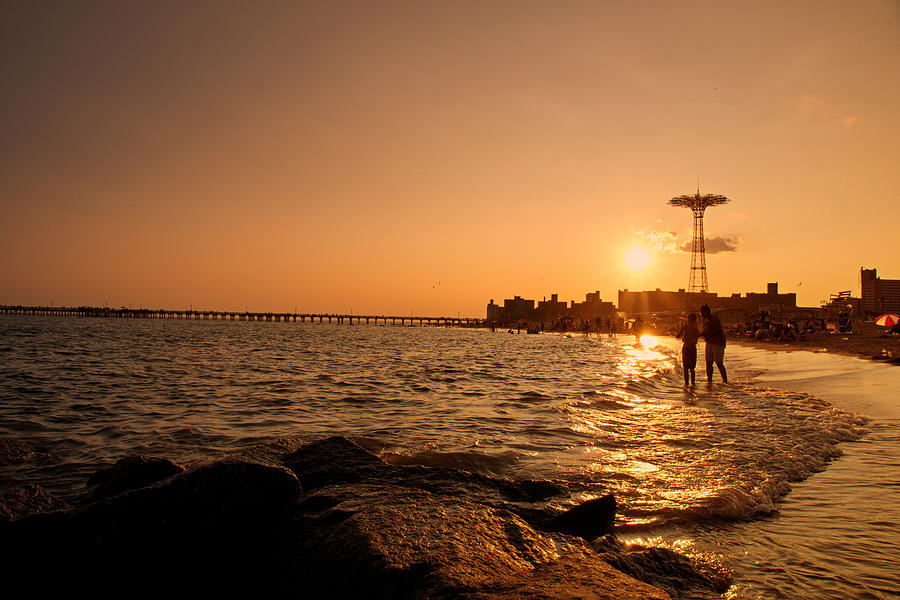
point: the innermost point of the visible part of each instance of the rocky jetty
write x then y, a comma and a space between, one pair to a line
327, 519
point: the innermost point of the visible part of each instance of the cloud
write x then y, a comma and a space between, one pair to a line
715, 245
670, 242
662, 241
849, 121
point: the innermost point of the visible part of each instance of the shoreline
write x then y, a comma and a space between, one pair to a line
854, 494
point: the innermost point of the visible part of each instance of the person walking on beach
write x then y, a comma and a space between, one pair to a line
689, 334
714, 335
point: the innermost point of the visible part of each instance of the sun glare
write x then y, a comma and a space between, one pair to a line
637, 258
649, 340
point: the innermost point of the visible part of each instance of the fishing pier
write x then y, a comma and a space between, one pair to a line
216, 315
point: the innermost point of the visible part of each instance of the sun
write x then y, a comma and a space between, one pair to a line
637, 258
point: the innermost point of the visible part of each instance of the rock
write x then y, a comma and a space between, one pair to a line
14, 452
363, 529
130, 473
662, 568
369, 529
27, 500
211, 495
587, 520
222, 522
332, 460
377, 541
575, 575
338, 460
608, 544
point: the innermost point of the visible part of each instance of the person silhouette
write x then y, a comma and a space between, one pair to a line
714, 335
689, 335
638, 329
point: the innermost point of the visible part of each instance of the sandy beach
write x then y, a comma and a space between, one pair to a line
867, 340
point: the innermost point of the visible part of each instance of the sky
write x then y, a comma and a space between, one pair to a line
407, 157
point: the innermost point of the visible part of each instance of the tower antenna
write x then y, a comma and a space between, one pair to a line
698, 204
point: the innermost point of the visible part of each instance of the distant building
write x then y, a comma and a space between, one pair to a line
879, 295
659, 301
735, 306
770, 298
494, 311
549, 310
517, 308
592, 307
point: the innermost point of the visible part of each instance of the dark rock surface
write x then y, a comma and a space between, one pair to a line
337, 460
332, 460
130, 473
326, 520
588, 520
212, 526
13, 452
662, 568
20, 502
395, 542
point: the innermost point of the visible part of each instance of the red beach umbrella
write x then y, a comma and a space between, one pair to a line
888, 320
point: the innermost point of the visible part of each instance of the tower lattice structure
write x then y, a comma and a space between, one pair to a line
698, 204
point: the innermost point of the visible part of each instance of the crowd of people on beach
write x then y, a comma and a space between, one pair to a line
764, 329
609, 326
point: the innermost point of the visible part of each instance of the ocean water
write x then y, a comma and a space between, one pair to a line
748, 477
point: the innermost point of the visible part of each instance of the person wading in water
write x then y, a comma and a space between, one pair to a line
715, 343
689, 333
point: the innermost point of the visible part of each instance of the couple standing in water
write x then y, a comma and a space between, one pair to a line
714, 335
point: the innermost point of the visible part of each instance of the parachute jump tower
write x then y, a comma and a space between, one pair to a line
698, 204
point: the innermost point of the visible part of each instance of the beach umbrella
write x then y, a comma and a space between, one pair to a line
888, 320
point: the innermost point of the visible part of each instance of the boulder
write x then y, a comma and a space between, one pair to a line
130, 473
14, 452
662, 568
332, 460
213, 526
26, 500
337, 460
377, 541
587, 520
363, 529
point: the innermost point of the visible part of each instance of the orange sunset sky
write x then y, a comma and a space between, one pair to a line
425, 157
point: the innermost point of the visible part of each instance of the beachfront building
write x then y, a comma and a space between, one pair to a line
733, 308
592, 307
494, 311
550, 309
879, 295
662, 301
518, 308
